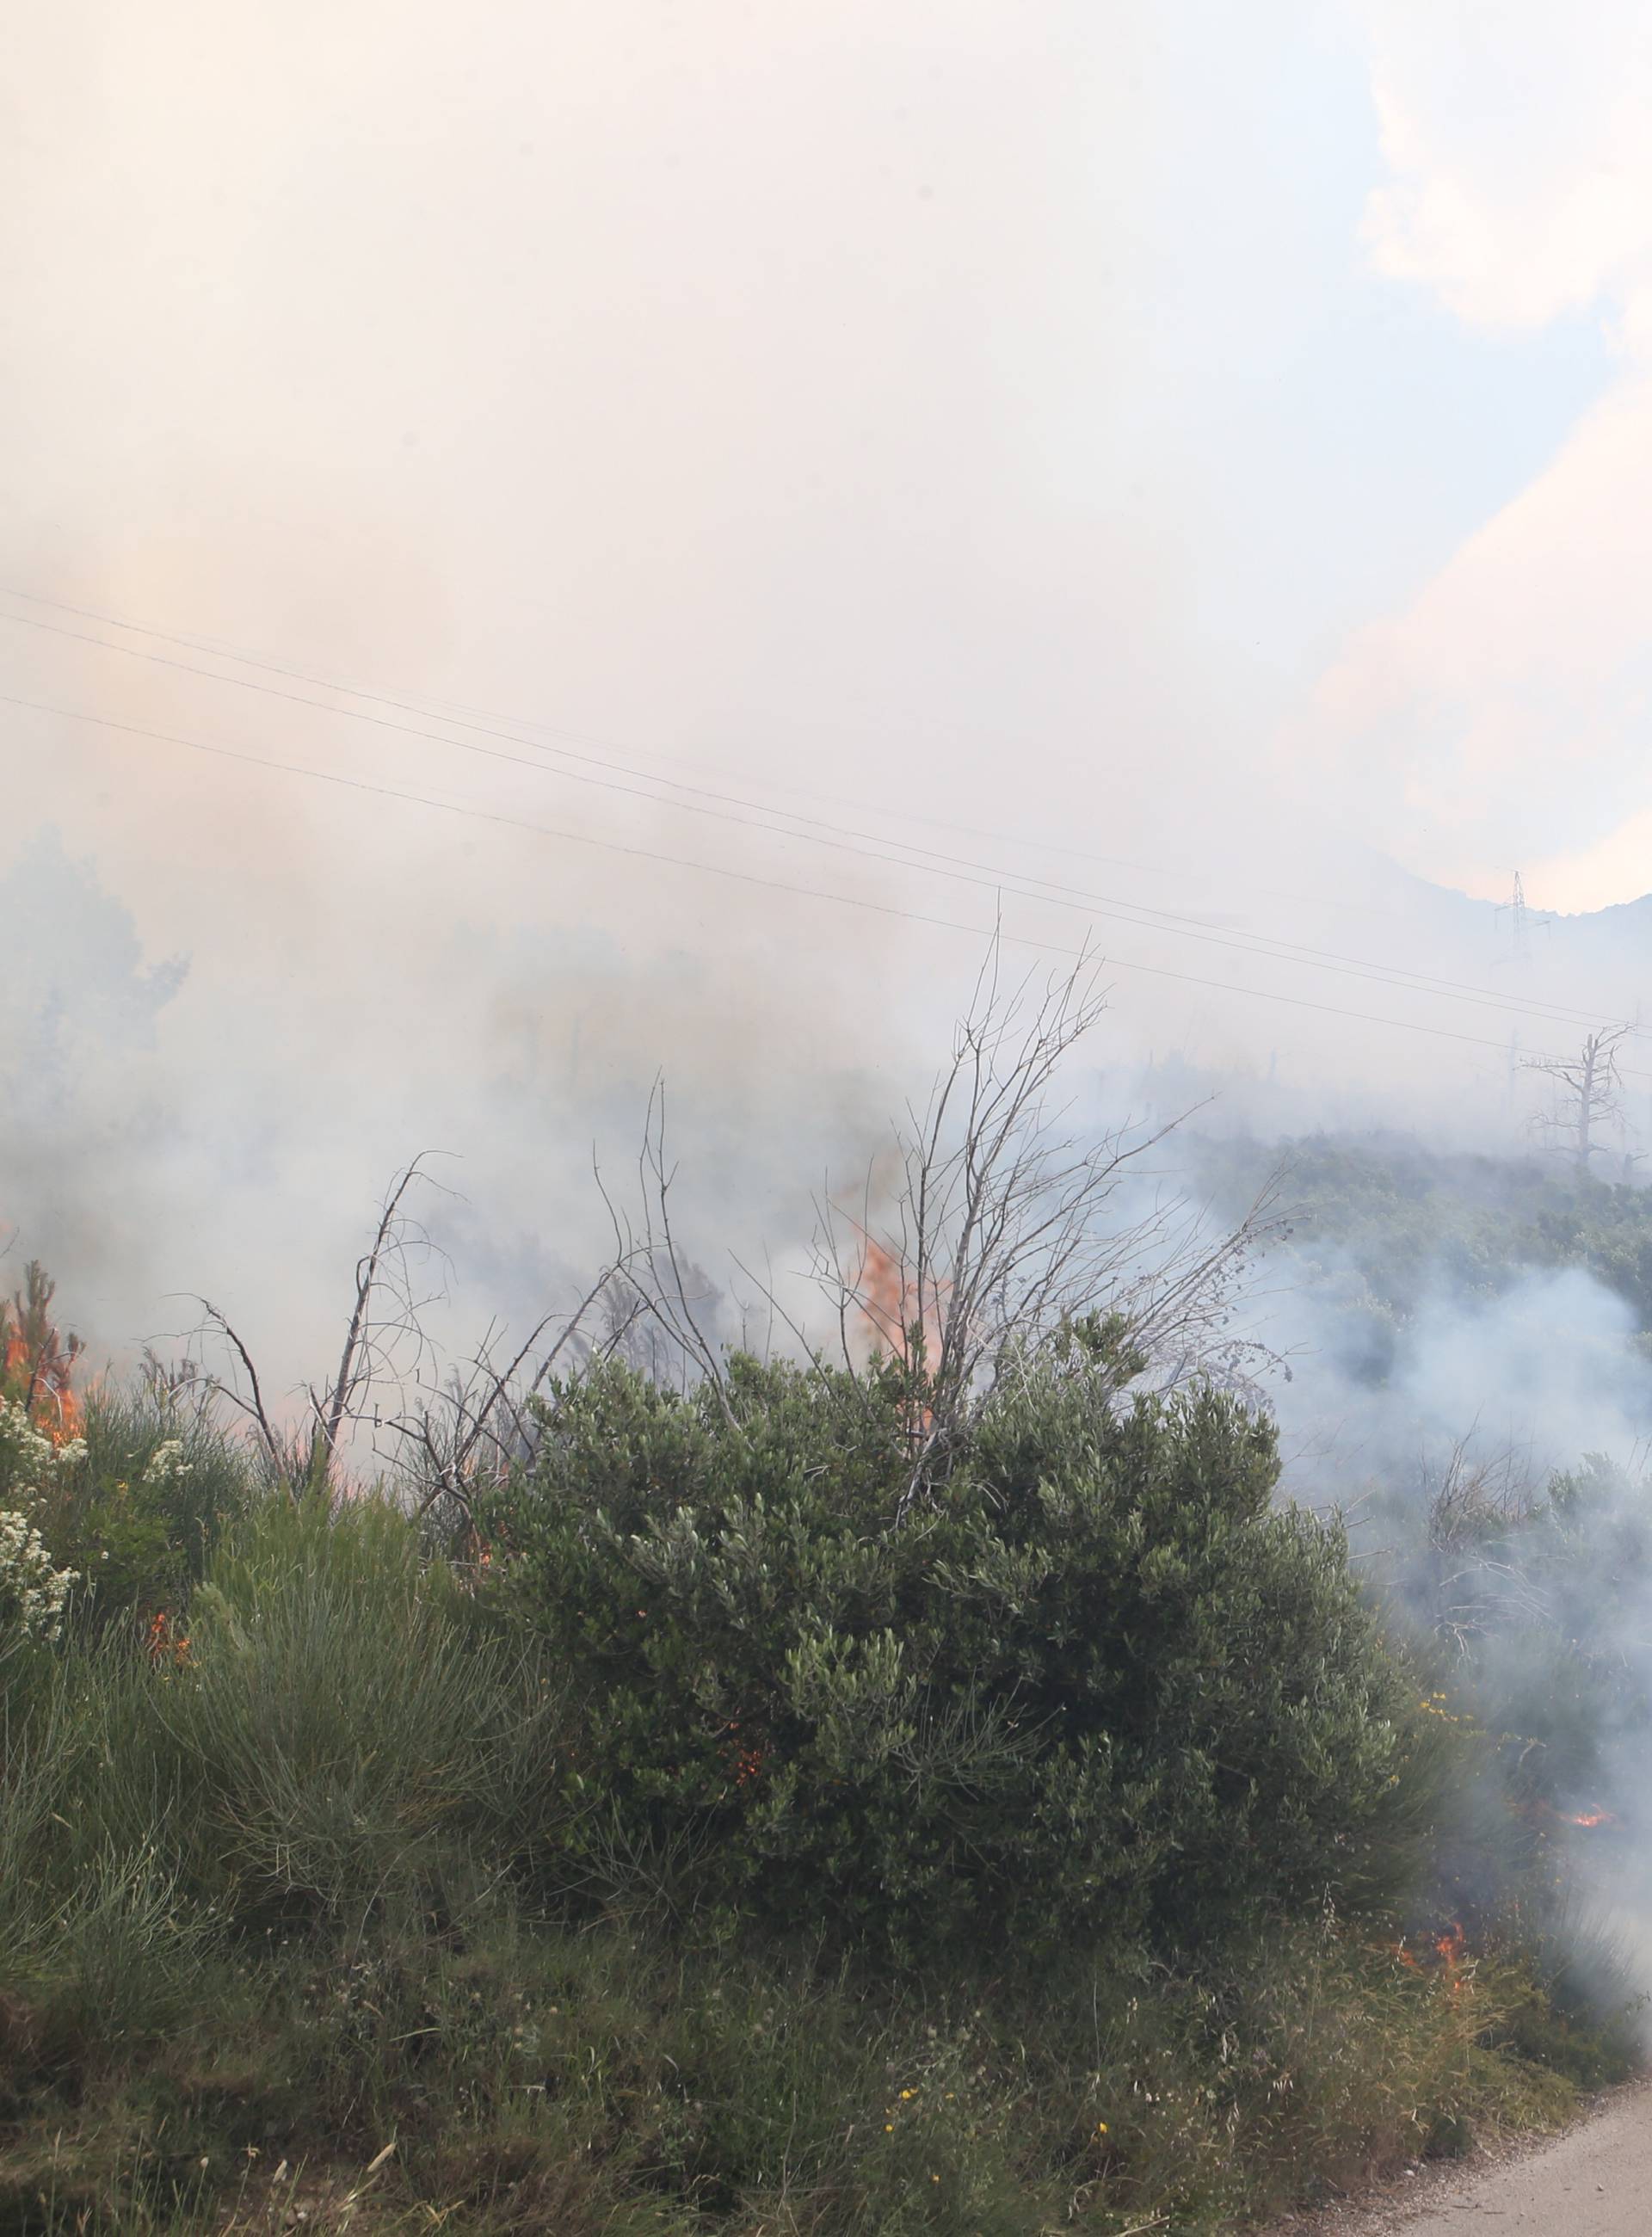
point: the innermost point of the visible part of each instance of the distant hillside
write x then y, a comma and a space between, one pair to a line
1392, 1208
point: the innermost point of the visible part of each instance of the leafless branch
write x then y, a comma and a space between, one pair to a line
251, 1402
1587, 1094
1007, 1224
651, 1267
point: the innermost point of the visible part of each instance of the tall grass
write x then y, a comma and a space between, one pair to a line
534, 2078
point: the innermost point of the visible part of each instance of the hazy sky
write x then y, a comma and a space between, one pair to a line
902, 393
1191, 452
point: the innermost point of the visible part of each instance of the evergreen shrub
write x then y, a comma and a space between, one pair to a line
1096, 1687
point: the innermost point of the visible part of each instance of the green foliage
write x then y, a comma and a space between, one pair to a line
334, 1738
1098, 1688
1391, 1209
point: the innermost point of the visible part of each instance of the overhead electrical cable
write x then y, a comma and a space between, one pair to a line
510, 730
751, 877
461, 715
840, 839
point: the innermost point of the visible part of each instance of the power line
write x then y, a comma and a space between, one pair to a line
958, 869
457, 712
412, 704
743, 877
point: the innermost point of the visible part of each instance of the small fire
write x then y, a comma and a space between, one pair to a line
885, 1297
1587, 1818
748, 1754
887, 1294
1448, 1949
37, 1361
168, 1646
1453, 1955
901, 1321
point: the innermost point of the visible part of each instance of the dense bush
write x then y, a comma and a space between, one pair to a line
1097, 1688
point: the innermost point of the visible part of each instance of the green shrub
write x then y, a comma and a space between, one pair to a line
283, 1802
99, 1925
1098, 1688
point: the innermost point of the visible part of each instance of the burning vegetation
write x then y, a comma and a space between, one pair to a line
628, 1802
38, 1362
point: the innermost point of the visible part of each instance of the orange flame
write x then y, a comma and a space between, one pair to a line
902, 1321
747, 1755
38, 1362
167, 1644
1449, 1949
884, 1296
887, 1296
1451, 1952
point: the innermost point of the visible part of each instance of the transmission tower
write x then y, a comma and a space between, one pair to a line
1516, 908
1521, 918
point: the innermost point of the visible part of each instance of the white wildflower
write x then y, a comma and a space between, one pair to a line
32, 1592
166, 1464
27, 1457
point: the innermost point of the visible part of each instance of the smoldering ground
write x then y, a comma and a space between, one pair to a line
1465, 1378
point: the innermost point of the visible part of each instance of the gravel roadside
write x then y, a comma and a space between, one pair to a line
1593, 2181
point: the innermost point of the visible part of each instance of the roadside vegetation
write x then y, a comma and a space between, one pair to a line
849, 1797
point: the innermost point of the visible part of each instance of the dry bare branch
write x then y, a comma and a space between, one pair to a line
1007, 1222
1587, 1094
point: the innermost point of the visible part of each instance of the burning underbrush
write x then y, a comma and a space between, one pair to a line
937, 1784
707, 1836
37, 1361
1524, 1599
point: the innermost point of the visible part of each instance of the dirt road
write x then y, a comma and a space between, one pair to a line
1594, 2182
